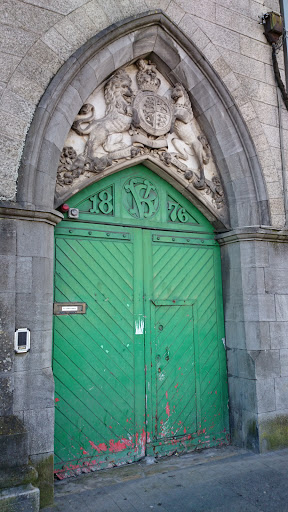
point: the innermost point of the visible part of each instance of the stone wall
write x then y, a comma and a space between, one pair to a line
255, 290
26, 380
37, 37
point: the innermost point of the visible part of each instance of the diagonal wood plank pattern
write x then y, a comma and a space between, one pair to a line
188, 374
94, 353
175, 384
143, 371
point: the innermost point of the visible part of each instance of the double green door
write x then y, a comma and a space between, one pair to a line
142, 372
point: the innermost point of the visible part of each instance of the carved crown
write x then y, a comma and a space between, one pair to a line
147, 79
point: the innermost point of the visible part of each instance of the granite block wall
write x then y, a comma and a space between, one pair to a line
37, 37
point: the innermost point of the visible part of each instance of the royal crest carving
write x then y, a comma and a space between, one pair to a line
154, 113
143, 115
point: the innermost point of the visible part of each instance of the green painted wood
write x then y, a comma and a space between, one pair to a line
138, 197
175, 380
94, 359
144, 370
187, 399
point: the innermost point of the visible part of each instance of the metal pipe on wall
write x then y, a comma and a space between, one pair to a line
284, 12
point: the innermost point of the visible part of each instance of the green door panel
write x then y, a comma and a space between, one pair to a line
188, 396
143, 371
94, 354
175, 377
138, 197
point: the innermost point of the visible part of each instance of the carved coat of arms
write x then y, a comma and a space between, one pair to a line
136, 123
155, 113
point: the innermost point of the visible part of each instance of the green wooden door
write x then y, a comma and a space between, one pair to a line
143, 370
187, 375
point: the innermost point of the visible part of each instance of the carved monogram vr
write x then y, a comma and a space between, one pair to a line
140, 198
140, 123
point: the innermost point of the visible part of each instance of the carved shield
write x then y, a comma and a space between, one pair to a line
155, 112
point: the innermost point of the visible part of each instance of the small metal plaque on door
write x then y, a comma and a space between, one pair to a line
69, 308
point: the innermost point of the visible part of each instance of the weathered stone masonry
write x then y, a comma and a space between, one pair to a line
219, 54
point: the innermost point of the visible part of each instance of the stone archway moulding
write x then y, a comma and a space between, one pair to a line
178, 60
149, 35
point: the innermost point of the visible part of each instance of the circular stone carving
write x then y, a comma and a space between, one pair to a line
154, 112
140, 198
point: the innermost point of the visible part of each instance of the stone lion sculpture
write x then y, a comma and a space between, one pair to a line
106, 133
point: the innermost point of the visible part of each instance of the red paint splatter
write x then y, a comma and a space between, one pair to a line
136, 441
74, 466
127, 420
167, 409
167, 395
100, 448
56, 399
215, 392
109, 426
185, 430
176, 386
119, 445
179, 368
143, 437
141, 442
84, 451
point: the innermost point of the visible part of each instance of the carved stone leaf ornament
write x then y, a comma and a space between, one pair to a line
137, 113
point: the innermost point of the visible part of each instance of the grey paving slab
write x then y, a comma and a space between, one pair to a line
224, 480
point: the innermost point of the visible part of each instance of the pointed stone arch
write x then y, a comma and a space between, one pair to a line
179, 60
246, 305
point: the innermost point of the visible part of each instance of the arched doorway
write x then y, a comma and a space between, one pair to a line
142, 369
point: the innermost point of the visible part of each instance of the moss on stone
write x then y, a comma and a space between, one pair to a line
252, 436
22, 475
11, 425
274, 433
45, 481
